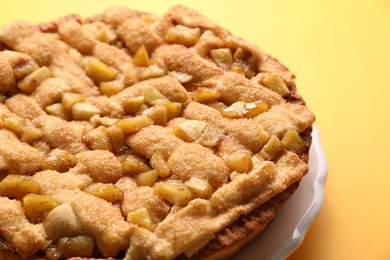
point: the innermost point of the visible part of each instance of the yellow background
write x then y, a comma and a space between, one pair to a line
340, 52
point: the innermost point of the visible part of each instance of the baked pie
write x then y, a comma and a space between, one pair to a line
131, 136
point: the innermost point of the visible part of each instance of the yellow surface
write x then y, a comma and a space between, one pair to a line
340, 52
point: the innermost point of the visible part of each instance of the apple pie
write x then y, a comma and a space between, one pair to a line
132, 136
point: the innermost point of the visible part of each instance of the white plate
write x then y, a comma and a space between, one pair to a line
286, 232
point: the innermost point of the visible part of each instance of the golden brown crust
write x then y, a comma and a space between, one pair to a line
248, 227
126, 99
227, 242
244, 230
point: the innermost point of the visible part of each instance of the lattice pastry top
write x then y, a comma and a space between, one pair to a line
137, 136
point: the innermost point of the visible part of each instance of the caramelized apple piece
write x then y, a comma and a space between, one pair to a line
158, 163
14, 123
199, 187
30, 134
181, 76
134, 164
69, 99
131, 105
33, 80
173, 191
239, 55
79, 246
36, 206
203, 95
117, 138
84, 111
293, 142
59, 160
182, 35
111, 88
255, 109
99, 139
18, 186
106, 191
241, 109
158, 114
236, 110
151, 95
148, 178
99, 71
133, 124
211, 136
141, 217
25, 69
148, 18
174, 109
106, 34
275, 83
153, 71
240, 162
223, 57
190, 130
58, 110
272, 148
141, 57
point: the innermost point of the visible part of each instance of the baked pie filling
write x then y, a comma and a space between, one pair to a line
129, 135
